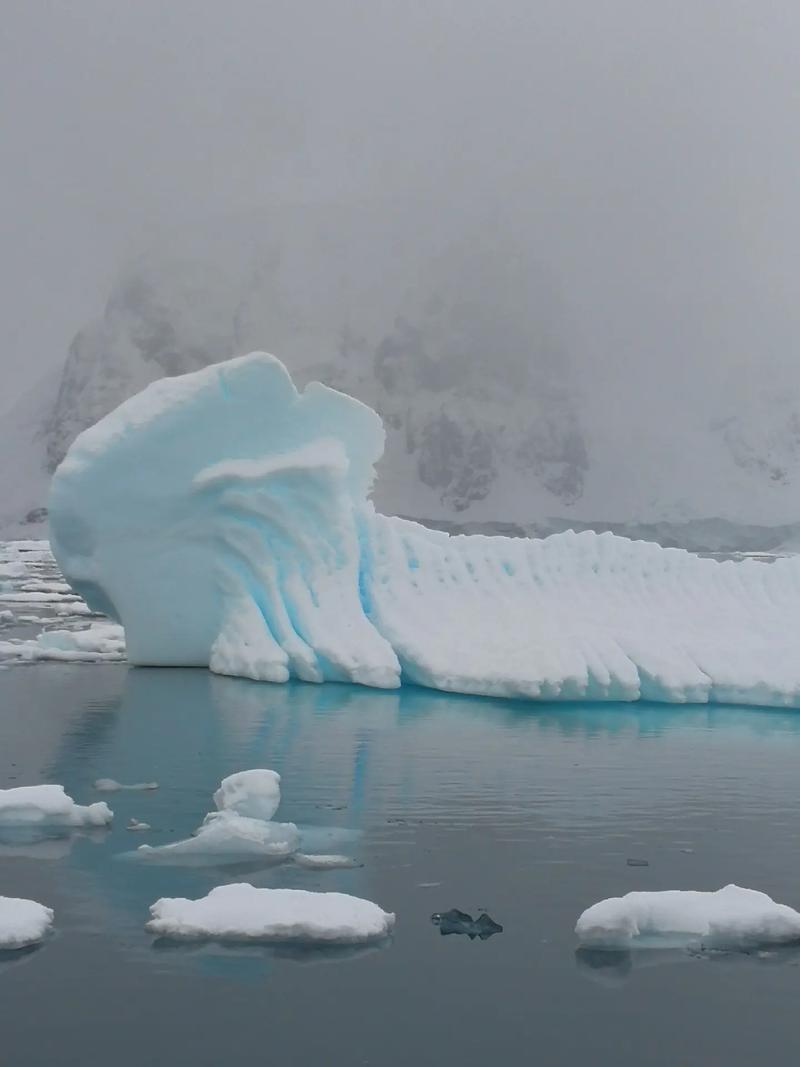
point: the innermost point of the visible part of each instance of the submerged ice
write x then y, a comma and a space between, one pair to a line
223, 518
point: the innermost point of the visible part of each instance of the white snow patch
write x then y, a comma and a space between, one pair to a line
728, 918
22, 922
243, 912
49, 805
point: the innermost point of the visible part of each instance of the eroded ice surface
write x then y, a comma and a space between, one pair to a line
226, 837
22, 922
243, 912
255, 793
223, 518
729, 918
49, 805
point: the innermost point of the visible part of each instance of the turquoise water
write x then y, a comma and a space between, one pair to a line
448, 802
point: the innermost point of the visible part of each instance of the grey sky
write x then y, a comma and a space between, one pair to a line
649, 152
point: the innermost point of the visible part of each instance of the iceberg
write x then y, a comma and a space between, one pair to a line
223, 518
730, 918
22, 922
241, 912
255, 793
49, 805
226, 837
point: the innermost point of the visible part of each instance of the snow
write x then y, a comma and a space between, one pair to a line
109, 785
728, 918
22, 922
223, 518
226, 837
255, 793
243, 912
49, 805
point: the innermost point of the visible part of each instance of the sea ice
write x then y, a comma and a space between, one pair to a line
108, 785
49, 805
242, 912
728, 918
22, 922
100, 641
255, 793
227, 837
324, 862
224, 519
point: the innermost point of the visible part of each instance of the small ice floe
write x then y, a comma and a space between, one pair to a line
134, 824
102, 641
6, 616
255, 793
49, 805
459, 922
108, 785
22, 922
323, 862
242, 912
730, 918
226, 838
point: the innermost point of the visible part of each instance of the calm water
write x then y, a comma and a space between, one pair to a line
530, 812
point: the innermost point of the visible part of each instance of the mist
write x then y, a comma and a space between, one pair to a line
639, 164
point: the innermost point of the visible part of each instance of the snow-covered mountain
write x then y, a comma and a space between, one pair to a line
489, 419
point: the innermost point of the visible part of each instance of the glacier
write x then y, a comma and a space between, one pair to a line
224, 519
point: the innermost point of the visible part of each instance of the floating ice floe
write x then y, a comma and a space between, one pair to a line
255, 793
324, 862
729, 918
242, 912
109, 785
6, 616
49, 805
250, 547
22, 922
100, 641
226, 837
135, 825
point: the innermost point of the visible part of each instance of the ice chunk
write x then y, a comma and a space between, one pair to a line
728, 918
6, 616
255, 793
226, 837
242, 912
134, 824
100, 641
245, 541
49, 805
108, 785
22, 922
324, 862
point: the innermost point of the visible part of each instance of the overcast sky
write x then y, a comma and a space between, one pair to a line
649, 151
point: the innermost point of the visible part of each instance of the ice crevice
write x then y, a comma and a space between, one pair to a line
226, 518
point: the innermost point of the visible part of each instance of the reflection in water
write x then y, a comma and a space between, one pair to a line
528, 812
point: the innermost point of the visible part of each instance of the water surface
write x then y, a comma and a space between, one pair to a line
529, 811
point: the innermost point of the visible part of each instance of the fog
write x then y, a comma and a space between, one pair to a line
645, 156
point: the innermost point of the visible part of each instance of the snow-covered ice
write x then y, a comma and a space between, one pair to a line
728, 918
227, 837
49, 805
243, 912
22, 922
134, 825
109, 785
255, 793
223, 518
